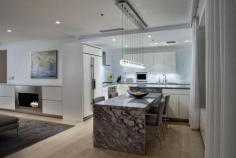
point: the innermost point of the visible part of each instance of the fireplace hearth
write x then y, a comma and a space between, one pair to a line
29, 98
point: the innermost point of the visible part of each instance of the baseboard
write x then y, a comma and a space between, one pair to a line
177, 120
32, 113
88, 117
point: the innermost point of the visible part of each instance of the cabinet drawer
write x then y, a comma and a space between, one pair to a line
52, 93
52, 107
7, 91
7, 103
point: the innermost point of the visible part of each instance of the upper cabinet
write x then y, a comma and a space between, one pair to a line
148, 60
160, 62
3, 66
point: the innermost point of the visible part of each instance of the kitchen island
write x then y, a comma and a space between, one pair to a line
119, 123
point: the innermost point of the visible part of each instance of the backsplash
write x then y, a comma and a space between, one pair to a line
158, 78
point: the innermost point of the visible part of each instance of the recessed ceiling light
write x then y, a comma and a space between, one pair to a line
57, 22
113, 40
156, 43
149, 36
9, 30
126, 46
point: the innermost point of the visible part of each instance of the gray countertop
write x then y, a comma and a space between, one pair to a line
125, 101
163, 86
153, 85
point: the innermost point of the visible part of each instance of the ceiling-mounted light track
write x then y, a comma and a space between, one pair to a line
112, 30
130, 12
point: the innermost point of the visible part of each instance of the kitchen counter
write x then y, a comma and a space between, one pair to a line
119, 123
153, 85
163, 86
125, 101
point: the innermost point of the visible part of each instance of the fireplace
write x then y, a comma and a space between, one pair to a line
29, 98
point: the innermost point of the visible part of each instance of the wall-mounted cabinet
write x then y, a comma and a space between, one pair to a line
155, 62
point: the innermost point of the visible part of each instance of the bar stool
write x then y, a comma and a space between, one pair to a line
157, 122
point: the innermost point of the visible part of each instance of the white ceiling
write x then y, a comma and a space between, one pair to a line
181, 36
35, 19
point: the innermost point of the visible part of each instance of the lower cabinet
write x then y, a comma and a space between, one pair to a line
173, 109
7, 103
184, 101
179, 103
7, 97
52, 107
52, 100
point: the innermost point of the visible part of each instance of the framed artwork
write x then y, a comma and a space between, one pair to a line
44, 64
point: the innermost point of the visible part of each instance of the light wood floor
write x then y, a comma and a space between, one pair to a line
181, 142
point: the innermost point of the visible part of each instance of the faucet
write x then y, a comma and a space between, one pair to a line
165, 80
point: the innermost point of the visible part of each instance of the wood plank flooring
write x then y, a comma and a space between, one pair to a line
180, 142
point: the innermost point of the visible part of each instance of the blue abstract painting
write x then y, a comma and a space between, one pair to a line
44, 64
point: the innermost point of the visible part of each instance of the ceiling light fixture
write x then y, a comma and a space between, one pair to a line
131, 13
113, 40
132, 57
57, 22
187, 41
9, 30
131, 64
149, 36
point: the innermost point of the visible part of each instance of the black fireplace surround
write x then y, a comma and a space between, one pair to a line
25, 95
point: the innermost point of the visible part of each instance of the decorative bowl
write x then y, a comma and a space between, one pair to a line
138, 94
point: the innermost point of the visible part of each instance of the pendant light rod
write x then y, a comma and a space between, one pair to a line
130, 12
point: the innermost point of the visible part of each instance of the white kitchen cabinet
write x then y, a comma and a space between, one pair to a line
148, 60
52, 107
184, 101
179, 103
165, 62
173, 109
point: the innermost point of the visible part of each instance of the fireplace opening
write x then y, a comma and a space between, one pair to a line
28, 100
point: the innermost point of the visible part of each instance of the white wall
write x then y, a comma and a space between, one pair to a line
18, 61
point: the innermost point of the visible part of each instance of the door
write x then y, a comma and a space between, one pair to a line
3, 66
92, 74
